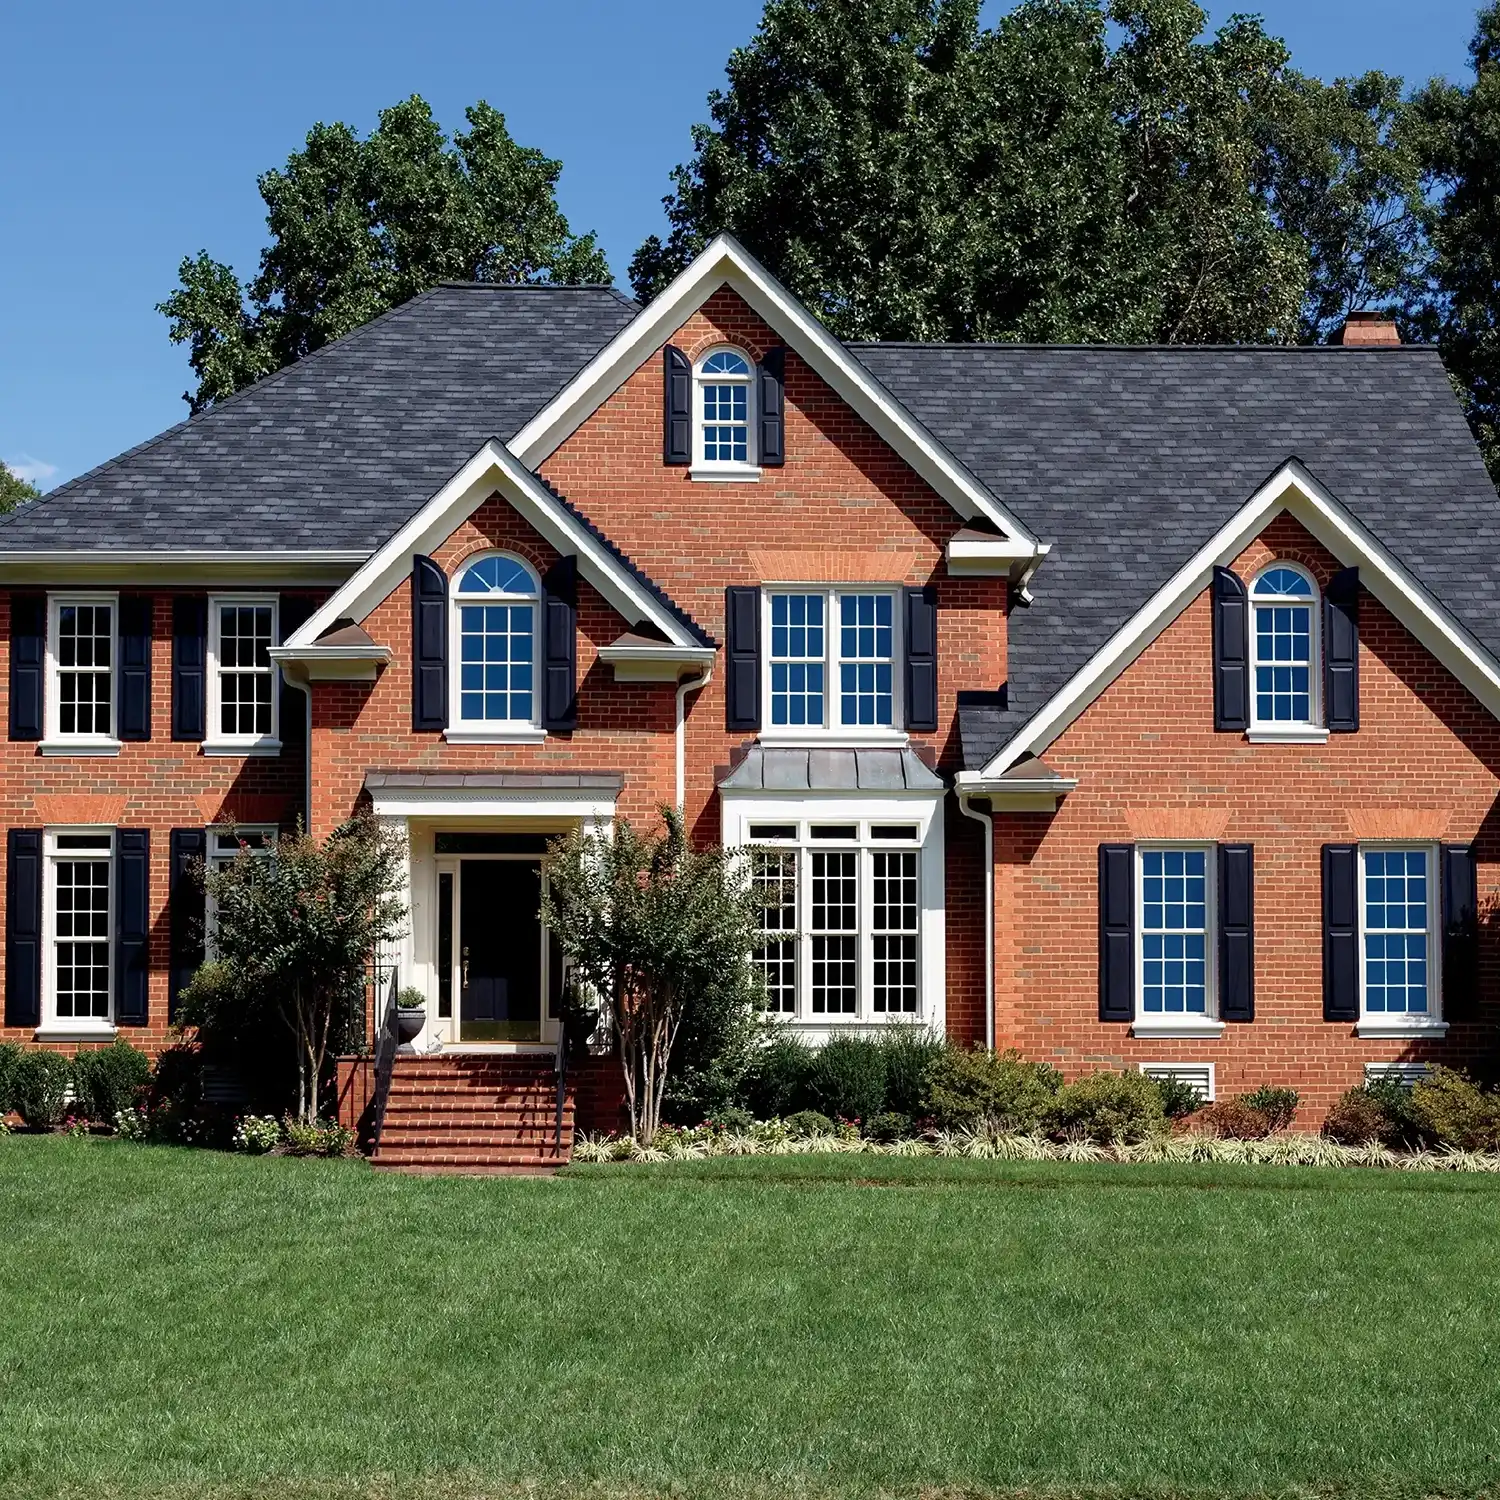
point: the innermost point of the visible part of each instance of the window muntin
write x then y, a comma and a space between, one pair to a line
83, 662
893, 923
774, 873
723, 386
79, 903
242, 676
1174, 924
832, 636
834, 925
1397, 937
496, 604
1284, 648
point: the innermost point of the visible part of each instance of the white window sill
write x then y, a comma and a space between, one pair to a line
724, 473
1385, 1028
1298, 734
1200, 1027
241, 747
79, 747
801, 737
527, 734
75, 1031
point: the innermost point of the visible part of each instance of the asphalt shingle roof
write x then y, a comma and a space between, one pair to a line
1129, 459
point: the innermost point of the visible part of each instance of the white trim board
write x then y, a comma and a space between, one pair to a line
1292, 489
724, 262
494, 469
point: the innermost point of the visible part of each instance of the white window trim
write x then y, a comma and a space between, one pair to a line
70, 1028
721, 469
834, 733
1276, 731
1173, 1023
1383, 1025
926, 813
461, 731
1185, 1070
54, 742
215, 741
212, 858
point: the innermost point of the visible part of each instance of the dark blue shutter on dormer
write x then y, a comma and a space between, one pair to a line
132, 924
742, 659
185, 901
1236, 932
189, 666
772, 407
1460, 883
560, 647
135, 667
677, 407
921, 658
23, 927
28, 655
1116, 932
429, 631
293, 612
1231, 631
1340, 932
1341, 652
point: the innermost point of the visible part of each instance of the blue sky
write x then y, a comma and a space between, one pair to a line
131, 135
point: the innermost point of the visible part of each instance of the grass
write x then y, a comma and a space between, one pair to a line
180, 1323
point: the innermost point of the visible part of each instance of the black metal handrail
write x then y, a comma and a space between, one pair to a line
387, 1039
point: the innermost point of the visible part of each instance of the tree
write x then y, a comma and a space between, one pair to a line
15, 491
658, 931
293, 936
361, 226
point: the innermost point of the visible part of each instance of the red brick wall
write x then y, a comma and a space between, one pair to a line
1424, 764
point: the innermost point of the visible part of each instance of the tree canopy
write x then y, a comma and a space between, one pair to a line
14, 490
359, 226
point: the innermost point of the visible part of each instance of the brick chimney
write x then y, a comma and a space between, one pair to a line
1365, 330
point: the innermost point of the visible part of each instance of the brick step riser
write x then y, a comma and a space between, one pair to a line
472, 1140
472, 1159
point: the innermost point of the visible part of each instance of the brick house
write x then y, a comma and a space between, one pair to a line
1130, 706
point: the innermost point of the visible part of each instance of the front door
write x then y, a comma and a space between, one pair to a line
500, 950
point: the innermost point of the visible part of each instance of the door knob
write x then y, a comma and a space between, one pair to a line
466, 969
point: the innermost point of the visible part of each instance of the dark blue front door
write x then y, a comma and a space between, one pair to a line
500, 950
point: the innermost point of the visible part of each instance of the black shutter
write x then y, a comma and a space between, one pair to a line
28, 654
1460, 931
189, 666
23, 927
677, 407
132, 924
1116, 932
921, 658
135, 667
1341, 652
772, 372
742, 658
1340, 932
185, 897
560, 647
293, 613
1231, 653
1236, 932
429, 649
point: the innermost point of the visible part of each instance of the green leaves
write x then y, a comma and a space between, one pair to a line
14, 491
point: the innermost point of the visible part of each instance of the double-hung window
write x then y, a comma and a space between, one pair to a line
81, 657
78, 916
496, 612
1285, 653
831, 659
725, 400
1175, 891
224, 846
1399, 914
242, 679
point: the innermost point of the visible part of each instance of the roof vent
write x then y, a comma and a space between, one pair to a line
1367, 330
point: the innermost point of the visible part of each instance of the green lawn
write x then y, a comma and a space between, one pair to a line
186, 1323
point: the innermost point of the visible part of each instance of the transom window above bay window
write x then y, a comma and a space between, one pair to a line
831, 659
496, 604
1285, 654
242, 679
725, 410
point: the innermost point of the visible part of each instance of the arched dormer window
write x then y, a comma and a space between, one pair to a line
1285, 652
496, 607
724, 405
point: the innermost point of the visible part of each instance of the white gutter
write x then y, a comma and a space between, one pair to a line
988, 822
686, 686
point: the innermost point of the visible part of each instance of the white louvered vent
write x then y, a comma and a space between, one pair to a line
1403, 1072
1199, 1076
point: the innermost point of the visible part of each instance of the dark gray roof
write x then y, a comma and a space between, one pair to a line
336, 451
786, 768
1129, 459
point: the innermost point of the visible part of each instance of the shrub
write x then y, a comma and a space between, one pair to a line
1455, 1111
965, 1088
411, 998
257, 1134
1357, 1118
1106, 1107
1178, 1097
732, 1121
316, 1138
776, 1083
893, 1125
109, 1080
909, 1052
174, 1097
848, 1078
1404, 1125
1237, 1120
39, 1088
809, 1122
11, 1053
1279, 1106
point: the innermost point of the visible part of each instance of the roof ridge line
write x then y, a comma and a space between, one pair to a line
1115, 348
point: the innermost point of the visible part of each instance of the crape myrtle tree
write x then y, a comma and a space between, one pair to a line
661, 933
294, 933
359, 226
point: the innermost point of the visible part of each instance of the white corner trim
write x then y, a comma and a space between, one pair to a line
725, 262
1292, 489
1202, 1027
78, 747
494, 467
1384, 1028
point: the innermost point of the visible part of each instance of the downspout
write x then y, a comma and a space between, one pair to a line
987, 820
686, 686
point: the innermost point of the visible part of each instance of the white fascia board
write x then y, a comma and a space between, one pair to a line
725, 262
470, 803
995, 558
181, 565
662, 663
1292, 489
330, 663
493, 468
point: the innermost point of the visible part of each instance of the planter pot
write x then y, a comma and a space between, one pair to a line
409, 1024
